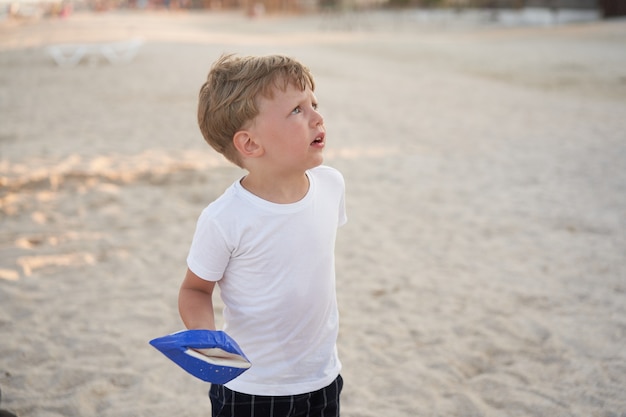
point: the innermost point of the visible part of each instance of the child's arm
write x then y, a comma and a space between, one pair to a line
195, 302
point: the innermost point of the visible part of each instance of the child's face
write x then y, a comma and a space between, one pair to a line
290, 130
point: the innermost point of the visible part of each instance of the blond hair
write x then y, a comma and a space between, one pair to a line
228, 98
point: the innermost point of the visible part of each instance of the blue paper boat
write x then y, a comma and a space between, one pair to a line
211, 355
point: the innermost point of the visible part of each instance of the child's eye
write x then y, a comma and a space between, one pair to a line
314, 106
297, 110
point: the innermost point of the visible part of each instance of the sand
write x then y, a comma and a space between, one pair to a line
483, 268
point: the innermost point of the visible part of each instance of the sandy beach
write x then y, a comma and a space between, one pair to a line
482, 272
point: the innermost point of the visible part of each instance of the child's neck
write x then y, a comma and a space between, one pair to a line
282, 190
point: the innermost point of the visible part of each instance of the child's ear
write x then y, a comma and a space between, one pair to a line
246, 145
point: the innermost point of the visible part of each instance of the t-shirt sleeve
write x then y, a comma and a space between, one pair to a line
209, 253
343, 217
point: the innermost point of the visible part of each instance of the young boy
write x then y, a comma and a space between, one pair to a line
269, 240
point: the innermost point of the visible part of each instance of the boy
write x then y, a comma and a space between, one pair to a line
269, 240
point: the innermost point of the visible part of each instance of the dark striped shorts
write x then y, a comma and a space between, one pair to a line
322, 403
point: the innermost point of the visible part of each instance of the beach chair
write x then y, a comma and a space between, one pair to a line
69, 55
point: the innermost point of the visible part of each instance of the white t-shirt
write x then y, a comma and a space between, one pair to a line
275, 267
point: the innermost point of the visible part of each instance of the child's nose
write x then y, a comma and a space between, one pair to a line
318, 119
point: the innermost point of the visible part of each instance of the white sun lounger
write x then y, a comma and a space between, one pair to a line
69, 55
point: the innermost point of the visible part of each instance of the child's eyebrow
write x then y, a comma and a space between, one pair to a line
306, 102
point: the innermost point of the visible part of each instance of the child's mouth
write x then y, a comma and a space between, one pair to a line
318, 140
